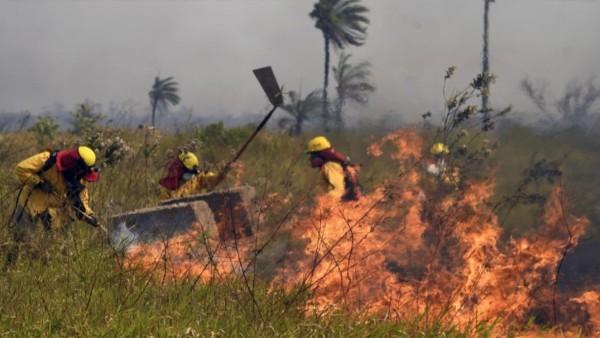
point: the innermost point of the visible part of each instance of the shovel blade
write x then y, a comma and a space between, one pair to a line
269, 84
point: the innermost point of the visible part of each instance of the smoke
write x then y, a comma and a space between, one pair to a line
122, 238
66, 51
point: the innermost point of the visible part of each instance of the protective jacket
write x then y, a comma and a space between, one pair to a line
65, 199
174, 185
199, 183
339, 175
333, 178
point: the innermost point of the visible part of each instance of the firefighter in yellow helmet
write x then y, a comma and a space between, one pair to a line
184, 177
439, 149
449, 176
53, 191
338, 173
54, 186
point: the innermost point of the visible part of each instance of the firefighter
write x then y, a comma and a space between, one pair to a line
54, 187
448, 175
439, 152
439, 149
53, 191
184, 178
338, 173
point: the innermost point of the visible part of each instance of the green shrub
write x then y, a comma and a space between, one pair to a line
45, 128
85, 118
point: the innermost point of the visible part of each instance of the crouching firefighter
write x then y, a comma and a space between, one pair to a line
53, 191
338, 173
184, 178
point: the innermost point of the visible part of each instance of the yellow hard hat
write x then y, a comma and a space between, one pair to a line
440, 149
189, 160
87, 155
317, 144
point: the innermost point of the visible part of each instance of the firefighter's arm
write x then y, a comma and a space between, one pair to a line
201, 182
85, 202
209, 179
28, 169
88, 213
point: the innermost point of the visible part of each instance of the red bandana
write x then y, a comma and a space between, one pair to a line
332, 155
328, 155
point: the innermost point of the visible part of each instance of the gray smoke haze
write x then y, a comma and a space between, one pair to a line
66, 51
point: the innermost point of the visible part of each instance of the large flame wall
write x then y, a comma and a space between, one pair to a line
401, 253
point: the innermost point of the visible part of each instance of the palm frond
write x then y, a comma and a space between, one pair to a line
343, 22
353, 83
300, 110
162, 94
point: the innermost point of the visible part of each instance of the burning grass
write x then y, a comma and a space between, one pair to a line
400, 252
405, 250
192, 254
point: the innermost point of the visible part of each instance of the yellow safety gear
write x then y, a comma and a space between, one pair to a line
55, 203
189, 160
201, 182
87, 155
334, 179
317, 144
440, 149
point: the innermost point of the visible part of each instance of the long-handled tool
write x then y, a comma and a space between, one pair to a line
269, 84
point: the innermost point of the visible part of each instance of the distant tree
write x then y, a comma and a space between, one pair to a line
45, 129
343, 23
300, 111
537, 95
163, 93
352, 85
486, 55
580, 102
578, 106
85, 118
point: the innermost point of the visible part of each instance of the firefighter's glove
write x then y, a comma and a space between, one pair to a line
93, 221
45, 187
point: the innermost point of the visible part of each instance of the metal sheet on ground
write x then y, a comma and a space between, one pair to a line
224, 214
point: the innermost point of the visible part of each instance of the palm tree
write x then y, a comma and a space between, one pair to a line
352, 84
163, 93
485, 55
300, 110
343, 23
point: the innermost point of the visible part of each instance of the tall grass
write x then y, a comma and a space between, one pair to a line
71, 283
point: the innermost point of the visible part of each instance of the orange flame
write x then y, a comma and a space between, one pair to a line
193, 253
394, 252
400, 252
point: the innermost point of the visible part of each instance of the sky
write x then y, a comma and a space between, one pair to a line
64, 52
